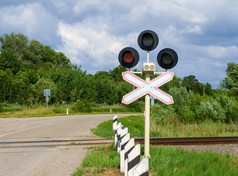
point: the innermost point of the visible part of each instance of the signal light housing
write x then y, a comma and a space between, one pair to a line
148, 40
167, 58
128, 57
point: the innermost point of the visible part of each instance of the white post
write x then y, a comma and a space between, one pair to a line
147, 116
67, 111
147, 120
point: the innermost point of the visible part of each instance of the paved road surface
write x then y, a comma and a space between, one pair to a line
35, 160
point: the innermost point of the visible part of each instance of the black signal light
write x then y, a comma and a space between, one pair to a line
128, 57
148, 40
167, 58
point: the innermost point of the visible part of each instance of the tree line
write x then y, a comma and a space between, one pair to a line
27, 67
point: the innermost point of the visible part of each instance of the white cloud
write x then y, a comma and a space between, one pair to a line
91, 33
222, 52
32, 20
89, 46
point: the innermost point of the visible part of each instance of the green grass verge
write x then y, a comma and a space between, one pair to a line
177, 162
42, 111
164, 161
135, 126
102, 160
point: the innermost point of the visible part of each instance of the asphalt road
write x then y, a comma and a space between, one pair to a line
36, 160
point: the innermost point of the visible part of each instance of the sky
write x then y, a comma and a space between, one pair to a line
91, 33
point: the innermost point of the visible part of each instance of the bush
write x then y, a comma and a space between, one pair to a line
180, 96
164, 115
82, 106
210, 109
1, 107
230, 107
186, 114
136, 106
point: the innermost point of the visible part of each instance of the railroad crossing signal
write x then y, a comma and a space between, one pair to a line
167, 58
144, 87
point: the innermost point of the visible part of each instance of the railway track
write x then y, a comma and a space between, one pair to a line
190, 140
53, 143
139, 140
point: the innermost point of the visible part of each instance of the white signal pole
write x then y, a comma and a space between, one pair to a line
147, 116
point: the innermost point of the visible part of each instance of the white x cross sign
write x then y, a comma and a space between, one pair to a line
144, 87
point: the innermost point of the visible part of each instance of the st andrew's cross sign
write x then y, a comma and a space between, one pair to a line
144, 87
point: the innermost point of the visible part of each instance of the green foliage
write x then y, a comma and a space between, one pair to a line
98, 160
28, 67
135, 125
1, 107
163, 161
163, 116
82, 106
101, 159
192, 107
231, 80
229, 105
210, 109
169, 161
136, 106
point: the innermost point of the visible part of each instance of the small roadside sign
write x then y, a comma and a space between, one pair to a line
46, 92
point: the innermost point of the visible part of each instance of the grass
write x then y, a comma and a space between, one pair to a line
113, 108
102, 160
135, 126
43, 111
173, 128
206, 128
164, 161
35, 112
177, 162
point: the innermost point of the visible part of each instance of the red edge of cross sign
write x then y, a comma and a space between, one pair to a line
144, 87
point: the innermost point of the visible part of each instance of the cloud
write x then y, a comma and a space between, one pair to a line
89, 46
32, 20
91, 33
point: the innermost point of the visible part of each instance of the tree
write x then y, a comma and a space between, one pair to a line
8, 60
116, 73
231, 80
191, 83
16, 42
6, 80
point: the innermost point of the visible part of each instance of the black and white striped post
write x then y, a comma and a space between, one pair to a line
121, 133
114, 122
132, 160
119, 125
124, 141
128, 148
142, 169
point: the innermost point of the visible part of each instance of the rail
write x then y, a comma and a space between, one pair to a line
190, 140
139, 140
